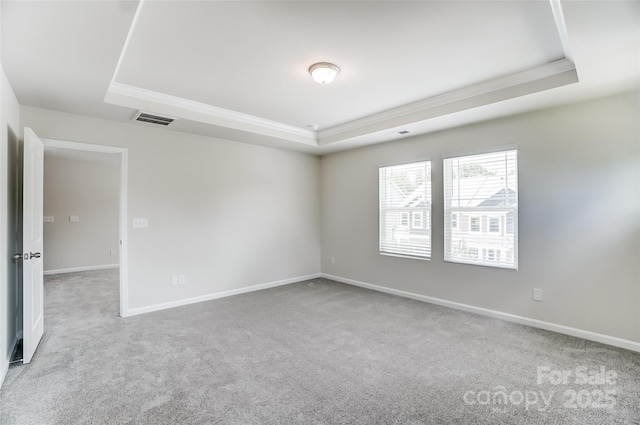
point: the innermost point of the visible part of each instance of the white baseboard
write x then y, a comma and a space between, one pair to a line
580, 333
81, 269
216, 295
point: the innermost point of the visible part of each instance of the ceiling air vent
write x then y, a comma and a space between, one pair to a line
153, 119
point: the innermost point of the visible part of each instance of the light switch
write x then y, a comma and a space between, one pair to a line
48, 219
140, 222
74, 218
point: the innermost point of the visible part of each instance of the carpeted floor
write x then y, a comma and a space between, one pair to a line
314, 352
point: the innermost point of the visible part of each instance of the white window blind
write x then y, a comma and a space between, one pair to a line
481, 209
405, 210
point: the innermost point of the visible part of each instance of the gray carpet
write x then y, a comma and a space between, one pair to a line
314, 352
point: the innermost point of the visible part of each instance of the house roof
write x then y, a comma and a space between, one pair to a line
483, 191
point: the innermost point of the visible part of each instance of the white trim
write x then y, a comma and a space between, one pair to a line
203, 112
539, 78
118, 92
561, 26
128, 39
566, 330
414, 160
124, 245
88, 147
81, 269
492, 87
216, 295
480, 151
124, 164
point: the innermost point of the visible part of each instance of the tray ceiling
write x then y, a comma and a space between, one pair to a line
238, 70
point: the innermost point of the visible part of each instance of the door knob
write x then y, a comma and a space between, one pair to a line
17, 256
34, 255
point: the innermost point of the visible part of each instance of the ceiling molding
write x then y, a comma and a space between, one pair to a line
561, 26
546, 76
123, 52
486, 92
143, 99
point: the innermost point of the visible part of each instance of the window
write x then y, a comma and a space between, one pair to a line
474, 224
494, 224
491, 254
481, 204
405, 210
417, 220
404, 220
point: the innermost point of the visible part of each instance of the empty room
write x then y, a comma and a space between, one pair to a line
320, 212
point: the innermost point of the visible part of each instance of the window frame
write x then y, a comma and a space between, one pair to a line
425, 213
505, 255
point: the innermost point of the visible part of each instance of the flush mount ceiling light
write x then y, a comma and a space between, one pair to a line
323, 72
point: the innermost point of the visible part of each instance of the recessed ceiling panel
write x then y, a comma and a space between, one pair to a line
252, 57
61, 55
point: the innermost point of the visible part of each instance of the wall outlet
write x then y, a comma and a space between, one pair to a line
140, 222
333, 260
113, 252
74, 219
537, 294
48, 219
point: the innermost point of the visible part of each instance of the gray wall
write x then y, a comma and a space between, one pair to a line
227, 215
579, 217
89, 190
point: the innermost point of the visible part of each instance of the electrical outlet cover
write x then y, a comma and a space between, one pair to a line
537, 294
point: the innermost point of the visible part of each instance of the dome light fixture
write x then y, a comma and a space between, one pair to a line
323, 72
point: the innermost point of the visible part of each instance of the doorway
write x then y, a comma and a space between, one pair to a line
97, 157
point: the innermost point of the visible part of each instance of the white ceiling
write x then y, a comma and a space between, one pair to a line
238, 69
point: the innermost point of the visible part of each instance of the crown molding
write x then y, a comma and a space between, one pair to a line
561, 26
143, 99
242, 125
483, 93
550, 75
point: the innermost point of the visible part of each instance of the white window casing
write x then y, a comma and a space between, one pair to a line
405, 210
481, 209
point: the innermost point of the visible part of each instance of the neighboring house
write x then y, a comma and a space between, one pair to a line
415, 223
407, 221
483, 218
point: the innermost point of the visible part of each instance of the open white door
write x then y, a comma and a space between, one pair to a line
32, 278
